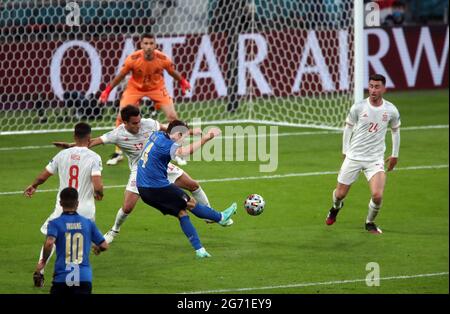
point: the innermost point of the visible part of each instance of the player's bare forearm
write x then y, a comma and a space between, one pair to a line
40, 179
63, 145
116, 81
184, 151
48, 246
95, 142
98, 187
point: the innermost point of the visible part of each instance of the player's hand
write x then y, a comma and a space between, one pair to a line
105, 94
98, 196
95, 249
29, 191
213, 132
196, 131
392, 162
184, 85
62, 145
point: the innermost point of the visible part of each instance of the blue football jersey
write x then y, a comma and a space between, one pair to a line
74, 235
156, 155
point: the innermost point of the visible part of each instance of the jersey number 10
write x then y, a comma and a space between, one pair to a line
74, 248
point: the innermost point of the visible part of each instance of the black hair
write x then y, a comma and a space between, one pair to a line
68, 197
378, 77
147, 35
177, 126
82, 130
129, 111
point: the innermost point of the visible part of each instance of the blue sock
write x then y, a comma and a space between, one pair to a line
190, 232
205, 212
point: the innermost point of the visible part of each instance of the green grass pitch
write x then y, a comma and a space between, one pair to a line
288, 249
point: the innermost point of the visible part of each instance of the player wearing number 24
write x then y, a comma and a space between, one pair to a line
78, 167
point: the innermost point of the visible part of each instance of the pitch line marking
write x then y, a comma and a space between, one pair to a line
311, 284
275, 176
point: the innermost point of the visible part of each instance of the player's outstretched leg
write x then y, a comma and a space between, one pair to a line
190, 232
202, 211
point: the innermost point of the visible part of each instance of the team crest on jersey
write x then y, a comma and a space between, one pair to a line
385, 116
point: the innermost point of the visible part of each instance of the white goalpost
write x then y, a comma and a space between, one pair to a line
283, 62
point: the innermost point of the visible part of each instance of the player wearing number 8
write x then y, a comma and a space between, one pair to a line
72, 235
77, 167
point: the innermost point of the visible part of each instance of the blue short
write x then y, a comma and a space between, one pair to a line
169, 200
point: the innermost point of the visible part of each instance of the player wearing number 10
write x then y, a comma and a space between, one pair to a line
72, 235
78, 167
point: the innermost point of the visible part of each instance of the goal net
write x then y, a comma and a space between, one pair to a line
285, 62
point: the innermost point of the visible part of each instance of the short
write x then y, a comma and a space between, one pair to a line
173, 173
61, 288
160, 97
350, 170
169, 200
85, 211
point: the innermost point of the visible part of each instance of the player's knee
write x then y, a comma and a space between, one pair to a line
182, 213
377, 197
193, 185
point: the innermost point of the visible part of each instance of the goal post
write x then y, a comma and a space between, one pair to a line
285, 62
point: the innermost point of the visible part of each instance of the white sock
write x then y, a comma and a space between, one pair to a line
373, 211
120, 219
41, 255
337, 204
201, 197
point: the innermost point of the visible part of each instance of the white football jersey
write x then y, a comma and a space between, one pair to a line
131, 144
75, 167
370, 126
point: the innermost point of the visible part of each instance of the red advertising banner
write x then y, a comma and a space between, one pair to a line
292, 62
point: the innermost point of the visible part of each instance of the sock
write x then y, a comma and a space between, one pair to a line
205, 212
120, 219
41, 255
337, 204
373, 211
201, 197
190, 232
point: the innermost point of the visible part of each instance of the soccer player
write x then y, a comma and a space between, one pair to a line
147, 66
156, 190
72, 235
78, 167
363, 149
131, 137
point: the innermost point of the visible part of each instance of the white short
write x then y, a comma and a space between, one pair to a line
350, 170
85, 211
173, 173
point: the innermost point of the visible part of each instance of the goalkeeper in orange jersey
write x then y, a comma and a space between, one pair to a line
147, 66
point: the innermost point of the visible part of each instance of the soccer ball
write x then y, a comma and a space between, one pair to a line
254, 204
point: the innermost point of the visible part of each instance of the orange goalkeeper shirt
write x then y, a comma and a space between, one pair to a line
146, 75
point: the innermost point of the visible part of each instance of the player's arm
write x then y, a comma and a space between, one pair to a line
98, 187
127, 66
41, 178
347, 135
48, 246
393, 159
191, 148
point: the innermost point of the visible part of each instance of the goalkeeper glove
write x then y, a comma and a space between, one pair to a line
105, 94
184, 85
